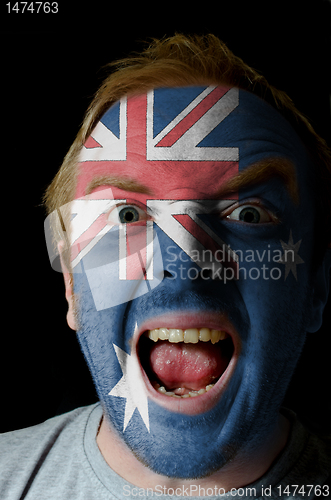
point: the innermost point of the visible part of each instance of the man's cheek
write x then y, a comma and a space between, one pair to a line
96, 333
122, 267
274, 283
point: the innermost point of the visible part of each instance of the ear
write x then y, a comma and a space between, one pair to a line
69, 289
321, 285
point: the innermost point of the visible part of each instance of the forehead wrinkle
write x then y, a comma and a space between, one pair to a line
124, 183
263, 171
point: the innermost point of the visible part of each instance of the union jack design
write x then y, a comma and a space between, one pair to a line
179, 140
104, 144
169, 134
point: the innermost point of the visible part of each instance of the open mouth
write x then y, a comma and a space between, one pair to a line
186, 363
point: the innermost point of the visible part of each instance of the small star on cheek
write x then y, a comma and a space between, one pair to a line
130, 387
291, 258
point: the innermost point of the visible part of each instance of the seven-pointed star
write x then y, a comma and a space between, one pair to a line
290, 257
130, 387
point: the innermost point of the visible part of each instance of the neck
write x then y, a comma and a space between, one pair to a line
241, 471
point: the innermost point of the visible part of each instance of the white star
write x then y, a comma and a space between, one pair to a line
290, 257
130, 386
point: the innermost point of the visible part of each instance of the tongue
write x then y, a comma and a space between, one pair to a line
192, 366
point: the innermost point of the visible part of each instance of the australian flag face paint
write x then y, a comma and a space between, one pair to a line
192, 297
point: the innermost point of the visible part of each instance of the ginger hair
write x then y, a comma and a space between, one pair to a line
193, 60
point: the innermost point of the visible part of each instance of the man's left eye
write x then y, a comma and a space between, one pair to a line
250, 214
127, 214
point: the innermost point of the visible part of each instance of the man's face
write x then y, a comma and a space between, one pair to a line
192, 359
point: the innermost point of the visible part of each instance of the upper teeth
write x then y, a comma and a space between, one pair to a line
190, 335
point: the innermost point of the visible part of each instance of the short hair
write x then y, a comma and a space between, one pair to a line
180, 61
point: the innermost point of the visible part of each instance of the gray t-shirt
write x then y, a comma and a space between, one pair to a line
60, 460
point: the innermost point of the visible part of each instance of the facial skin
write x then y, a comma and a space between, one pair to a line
237, 422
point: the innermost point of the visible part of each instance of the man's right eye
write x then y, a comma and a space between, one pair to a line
128, 214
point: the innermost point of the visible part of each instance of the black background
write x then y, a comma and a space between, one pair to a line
51, 65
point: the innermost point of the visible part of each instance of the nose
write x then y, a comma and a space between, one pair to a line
189, 261
189, 246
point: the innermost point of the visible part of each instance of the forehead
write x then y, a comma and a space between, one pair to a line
190, 139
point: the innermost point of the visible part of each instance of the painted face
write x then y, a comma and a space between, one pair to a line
199, 358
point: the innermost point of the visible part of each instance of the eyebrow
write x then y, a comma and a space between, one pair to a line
262, 171
257, 173
125, 183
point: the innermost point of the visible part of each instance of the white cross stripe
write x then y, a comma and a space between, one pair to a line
148, 265
185, 148
111, 147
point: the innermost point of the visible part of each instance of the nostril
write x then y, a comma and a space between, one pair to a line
167, 274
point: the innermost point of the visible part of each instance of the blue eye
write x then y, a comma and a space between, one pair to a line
251, 214
128, 215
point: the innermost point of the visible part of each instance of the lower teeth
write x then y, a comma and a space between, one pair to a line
191, 394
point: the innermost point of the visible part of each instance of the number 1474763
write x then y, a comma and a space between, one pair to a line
32, 7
